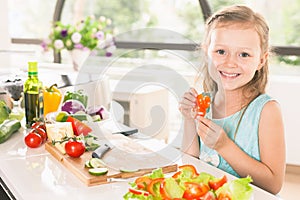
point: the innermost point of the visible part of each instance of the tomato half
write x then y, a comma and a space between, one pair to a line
74, 148
33, 140
194, 190
79, 127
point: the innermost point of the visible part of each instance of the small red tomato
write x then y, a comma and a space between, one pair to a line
74, 148
33, 140
40, 131
36, 124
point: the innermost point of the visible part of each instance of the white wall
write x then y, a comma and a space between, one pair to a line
286, 89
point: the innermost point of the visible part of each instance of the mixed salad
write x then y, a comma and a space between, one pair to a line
188, 184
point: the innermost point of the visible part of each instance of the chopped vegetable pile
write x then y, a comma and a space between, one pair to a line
188, 184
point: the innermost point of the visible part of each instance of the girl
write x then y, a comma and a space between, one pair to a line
246, 133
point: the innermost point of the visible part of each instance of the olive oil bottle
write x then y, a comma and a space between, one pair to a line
33, 93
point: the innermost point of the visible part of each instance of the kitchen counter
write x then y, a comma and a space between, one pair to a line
36, 174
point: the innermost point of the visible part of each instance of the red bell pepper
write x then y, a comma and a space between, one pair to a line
189, 167
215, 184
195, 190
138, 192
143, 181
150, 187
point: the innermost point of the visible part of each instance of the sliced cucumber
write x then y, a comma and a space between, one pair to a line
98, 171
128, 170
96, 162
87, 164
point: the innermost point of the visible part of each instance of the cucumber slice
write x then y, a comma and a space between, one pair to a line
96, 162
128, 170
87, 164
98, 171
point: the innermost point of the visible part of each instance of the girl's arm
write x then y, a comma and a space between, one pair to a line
190, 142
269, 172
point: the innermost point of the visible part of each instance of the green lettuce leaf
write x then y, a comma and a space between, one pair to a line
239, 189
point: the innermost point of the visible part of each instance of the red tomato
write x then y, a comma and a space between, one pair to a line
33, 140
74, 148
194, 190
79, 127
217, 183
40, 132
142, 182
138, 192
38, 125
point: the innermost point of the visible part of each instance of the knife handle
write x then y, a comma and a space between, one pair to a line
100, 151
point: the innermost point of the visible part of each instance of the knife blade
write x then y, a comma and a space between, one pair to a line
100, 151
127, 133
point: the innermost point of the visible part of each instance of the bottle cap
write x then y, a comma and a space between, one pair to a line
32, 68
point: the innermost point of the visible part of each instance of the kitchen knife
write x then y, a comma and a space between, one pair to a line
100, 151
127, 133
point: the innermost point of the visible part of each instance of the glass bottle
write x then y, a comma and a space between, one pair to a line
33, 95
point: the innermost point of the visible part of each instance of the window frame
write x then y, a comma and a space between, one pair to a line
206, 11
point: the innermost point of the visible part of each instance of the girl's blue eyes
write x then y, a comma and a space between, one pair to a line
222, 52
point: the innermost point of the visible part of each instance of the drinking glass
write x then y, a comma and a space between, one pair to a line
14, 87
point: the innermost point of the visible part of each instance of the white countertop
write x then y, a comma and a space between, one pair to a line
35, 174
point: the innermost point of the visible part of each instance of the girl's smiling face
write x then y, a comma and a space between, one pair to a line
234, 55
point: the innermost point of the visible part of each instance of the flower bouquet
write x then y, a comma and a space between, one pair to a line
84, 36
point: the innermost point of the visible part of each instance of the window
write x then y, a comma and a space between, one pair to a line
30, 19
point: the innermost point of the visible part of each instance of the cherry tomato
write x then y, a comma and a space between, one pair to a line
74, 148
40, 131
194, 190
33, 140
38, 125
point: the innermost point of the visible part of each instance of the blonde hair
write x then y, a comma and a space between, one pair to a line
245, 17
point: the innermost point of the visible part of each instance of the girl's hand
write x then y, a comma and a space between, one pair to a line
211, 134
188, 102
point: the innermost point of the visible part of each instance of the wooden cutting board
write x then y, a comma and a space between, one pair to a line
122, 155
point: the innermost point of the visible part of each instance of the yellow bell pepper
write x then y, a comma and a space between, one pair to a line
52, 99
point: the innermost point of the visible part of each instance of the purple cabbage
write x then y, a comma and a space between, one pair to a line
72, 106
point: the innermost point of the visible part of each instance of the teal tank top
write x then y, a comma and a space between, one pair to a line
246, 135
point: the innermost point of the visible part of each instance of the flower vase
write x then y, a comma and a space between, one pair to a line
78, 58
